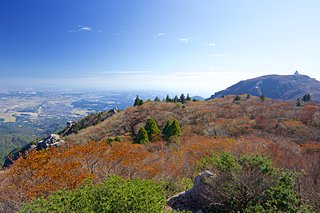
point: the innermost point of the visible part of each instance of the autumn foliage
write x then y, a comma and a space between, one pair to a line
287, 134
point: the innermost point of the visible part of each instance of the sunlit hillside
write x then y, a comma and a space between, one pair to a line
286, 133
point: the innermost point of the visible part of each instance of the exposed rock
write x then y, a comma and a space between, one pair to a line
70, 123
191, 199
51, 140
87, 121
114, 110
167, 209
137, 127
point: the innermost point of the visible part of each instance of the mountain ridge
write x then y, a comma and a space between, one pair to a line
284, 87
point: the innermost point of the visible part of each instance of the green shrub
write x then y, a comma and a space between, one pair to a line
236, 99
306, 97
138, 101
152, 129
249, 184
142, 136
171, 131
110, 140
114, 195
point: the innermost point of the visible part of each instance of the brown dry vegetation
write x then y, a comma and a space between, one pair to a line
216, 118
289, 135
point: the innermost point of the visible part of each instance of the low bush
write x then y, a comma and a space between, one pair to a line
249, 184
113, 195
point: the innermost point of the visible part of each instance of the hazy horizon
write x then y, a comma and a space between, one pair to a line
196, 47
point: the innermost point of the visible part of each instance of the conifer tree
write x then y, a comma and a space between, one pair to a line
157, 99
175, 129
306, 97
262, 98
142, 136
188, 97
182, 98
152, 129
168, 99
137, 101
298, 102
175, 99
236, 99
171, 130
166, 128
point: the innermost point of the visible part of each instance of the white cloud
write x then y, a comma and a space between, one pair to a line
84, 28
185, 40
161, 34
81, 28
208, 44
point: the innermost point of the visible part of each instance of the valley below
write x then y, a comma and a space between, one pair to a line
30, 114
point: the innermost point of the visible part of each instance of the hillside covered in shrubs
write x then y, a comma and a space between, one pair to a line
264, 153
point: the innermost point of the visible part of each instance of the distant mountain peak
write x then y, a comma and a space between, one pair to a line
285, 87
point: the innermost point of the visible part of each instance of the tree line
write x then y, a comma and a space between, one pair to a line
181, 99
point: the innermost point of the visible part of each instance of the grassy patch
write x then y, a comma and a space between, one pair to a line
8, 117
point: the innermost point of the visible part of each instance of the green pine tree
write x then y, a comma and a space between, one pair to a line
168, 99
298, 102
157, 99
188, 97
142, 136
236, 99
182, 98
175, 129
306, 97
262, 98
137, 101
166, 128
176, 99
171, 130
152, 129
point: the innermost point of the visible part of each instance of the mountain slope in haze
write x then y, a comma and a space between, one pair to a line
285, 87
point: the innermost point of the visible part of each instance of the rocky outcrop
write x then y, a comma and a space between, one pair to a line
55, 140
85, 122
191, 200
51, 140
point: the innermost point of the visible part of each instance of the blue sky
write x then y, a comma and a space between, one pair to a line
195, 46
